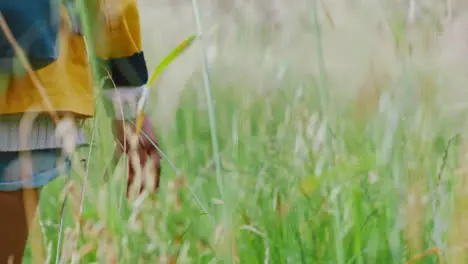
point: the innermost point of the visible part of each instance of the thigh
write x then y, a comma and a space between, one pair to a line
18, 209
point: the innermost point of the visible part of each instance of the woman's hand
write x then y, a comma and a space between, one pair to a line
144, 149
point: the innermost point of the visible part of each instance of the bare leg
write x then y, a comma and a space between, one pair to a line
17, 212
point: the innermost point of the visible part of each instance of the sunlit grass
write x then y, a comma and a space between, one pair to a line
388, 187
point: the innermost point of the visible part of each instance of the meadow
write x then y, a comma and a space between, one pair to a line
340, 130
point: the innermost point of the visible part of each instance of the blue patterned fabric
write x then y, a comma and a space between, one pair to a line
45, 165
35, 25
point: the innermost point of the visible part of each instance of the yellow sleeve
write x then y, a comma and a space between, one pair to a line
118, 42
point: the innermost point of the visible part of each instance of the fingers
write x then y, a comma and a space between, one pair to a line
123, 132
149, 167
145, 148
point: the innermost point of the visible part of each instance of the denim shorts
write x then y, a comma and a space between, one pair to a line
46, 165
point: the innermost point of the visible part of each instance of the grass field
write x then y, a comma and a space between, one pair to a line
341, 136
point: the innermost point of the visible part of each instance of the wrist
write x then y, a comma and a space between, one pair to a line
123, 103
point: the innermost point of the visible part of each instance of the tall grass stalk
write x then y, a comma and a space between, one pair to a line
85, 9
209, 100
226, 222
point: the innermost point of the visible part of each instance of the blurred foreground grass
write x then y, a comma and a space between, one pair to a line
290, 202
360, 159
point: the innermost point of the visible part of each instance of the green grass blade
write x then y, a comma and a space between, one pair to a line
169, 58
156, 72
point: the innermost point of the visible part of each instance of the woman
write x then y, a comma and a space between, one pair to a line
30, 150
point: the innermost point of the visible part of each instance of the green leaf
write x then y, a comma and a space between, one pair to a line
157, 71
169, 58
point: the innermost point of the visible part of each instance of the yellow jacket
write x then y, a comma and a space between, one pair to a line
68, 80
